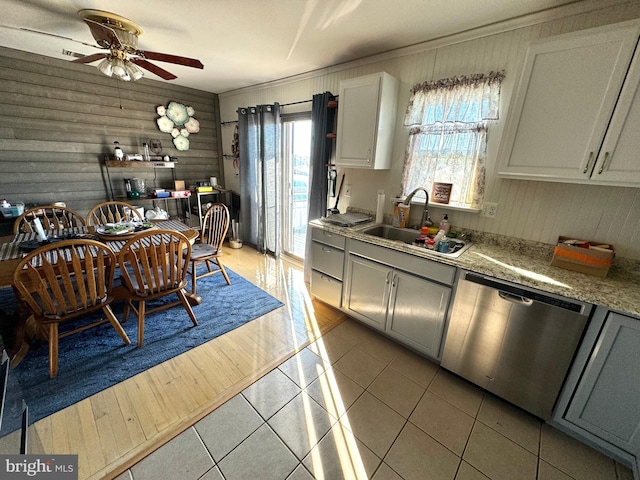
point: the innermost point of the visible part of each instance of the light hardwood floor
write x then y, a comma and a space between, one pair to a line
116, 428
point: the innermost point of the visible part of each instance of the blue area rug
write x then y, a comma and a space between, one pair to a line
95, 359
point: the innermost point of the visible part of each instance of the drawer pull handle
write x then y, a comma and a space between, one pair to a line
604, 164
586, 168
325, 249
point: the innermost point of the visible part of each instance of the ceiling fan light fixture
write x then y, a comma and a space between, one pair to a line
105, 67
118, 67
133, 70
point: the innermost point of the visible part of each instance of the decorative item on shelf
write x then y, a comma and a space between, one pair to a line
117, 151
181, 193
204, 187
138, 186
177, 119
156, 147
441, 192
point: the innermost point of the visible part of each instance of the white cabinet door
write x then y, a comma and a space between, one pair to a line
606, 401
366, 120
563, 103
618, 159
417, 312
367, 294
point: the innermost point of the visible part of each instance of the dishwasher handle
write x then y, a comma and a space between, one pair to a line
517, 299
526, 293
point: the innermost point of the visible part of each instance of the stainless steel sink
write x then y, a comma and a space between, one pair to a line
409, 235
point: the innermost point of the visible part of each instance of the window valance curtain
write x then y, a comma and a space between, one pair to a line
463, 99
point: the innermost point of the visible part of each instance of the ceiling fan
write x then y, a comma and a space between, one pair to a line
119, 36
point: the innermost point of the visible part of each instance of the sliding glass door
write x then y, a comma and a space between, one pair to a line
296, 151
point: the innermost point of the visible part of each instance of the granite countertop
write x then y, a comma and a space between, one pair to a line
525, 263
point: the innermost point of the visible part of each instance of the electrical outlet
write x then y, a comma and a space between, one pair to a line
347, 190
489, 210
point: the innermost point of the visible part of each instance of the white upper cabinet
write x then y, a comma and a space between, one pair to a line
575, 113
366, 120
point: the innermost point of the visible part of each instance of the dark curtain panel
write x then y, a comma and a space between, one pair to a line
321, 147
259, 137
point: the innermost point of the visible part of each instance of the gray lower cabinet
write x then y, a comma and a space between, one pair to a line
404, 296
368, 291
327, 263
417, 312
606, 400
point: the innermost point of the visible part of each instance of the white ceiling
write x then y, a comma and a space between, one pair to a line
247, 42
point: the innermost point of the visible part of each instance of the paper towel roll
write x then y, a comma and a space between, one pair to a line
380, 207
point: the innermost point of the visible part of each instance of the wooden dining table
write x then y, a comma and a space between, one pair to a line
11, 254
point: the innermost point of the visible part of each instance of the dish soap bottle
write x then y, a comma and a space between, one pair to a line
444, 224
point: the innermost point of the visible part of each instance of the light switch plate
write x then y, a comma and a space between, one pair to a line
347, 190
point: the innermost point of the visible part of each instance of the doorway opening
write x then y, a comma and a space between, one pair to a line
296, 154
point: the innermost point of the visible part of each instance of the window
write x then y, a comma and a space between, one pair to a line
448, 122
296, 153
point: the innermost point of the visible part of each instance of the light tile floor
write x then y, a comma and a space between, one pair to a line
356, 405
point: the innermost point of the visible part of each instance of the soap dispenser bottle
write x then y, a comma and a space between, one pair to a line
444, 224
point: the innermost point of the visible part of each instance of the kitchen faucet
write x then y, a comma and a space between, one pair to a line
425, 211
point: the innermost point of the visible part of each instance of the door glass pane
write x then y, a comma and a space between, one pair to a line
296, 154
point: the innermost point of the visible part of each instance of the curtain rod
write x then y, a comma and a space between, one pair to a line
282, 105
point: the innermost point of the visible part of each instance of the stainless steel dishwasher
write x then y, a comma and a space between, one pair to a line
514, 342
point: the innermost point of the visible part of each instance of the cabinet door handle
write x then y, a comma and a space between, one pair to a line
369, 156
586, 168
387, 281
395, 280
604, 164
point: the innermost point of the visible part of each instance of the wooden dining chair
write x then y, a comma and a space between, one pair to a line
209, 248
52, 217
154, 264
112, 212
66, 280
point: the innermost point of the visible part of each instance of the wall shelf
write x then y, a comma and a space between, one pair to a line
139, 165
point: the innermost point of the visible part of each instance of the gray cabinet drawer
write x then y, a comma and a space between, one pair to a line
328, 238
423, 267
326, 259
326, 288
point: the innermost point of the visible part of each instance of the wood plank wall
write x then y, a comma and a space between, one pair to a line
532, 210
58, 120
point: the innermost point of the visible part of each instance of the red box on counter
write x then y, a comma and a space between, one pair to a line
181, 193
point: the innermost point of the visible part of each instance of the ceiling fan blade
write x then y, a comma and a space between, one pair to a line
165, 57
22, 29
103, 34
90, 58
161, 72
